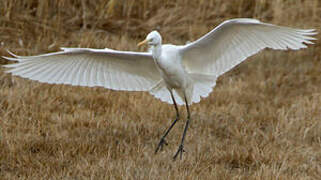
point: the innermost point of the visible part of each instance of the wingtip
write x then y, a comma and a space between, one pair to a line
6, 66
310, 32
11, 58
12, 54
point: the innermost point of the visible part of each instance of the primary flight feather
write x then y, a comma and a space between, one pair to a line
174, 74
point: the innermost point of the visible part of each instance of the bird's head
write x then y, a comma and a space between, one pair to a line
152, 39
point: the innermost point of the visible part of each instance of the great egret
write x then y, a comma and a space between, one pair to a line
174, 74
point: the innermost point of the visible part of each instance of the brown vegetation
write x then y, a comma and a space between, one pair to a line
263, 120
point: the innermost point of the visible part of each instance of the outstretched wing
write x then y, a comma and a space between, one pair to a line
234, 40
118, 70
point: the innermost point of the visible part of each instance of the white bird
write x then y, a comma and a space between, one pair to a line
174, 74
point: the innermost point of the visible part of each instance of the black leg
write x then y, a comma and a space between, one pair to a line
162, 141
181, 146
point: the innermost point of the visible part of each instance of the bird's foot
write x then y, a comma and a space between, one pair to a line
179, 151
161, 144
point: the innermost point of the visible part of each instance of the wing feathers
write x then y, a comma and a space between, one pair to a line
118, 70
234, 40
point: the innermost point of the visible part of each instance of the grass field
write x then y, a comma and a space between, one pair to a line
262, 121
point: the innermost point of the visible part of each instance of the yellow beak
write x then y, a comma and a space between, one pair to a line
142, 43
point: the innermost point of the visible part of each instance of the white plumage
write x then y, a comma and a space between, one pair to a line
117, 70
169, 72
212, 55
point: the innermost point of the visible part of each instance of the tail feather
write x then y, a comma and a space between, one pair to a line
160, 91
202, 86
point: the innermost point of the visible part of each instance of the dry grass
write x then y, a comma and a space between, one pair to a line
263, 120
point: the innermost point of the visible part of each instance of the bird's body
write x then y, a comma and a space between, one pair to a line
174, 74
169, 64
168, 61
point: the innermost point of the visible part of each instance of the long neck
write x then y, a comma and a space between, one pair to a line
156, 51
